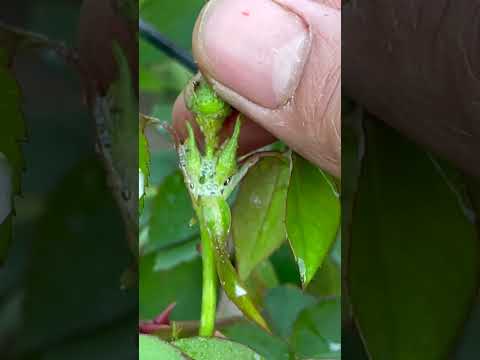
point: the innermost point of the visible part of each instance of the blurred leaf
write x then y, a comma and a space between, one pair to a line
282, 306
77, 257
258, 214
158, 73
143, 162
173, 19
414, 255
352, 345
158, 289
13, 131
112, 342
164, 76
317, 333
326, 281
169, 258
262, 278
353, 148
122, 124
285, 266
469, 346
313, 216
164, 163
269, 346
215, 349
352, 153
152, 348
172, 212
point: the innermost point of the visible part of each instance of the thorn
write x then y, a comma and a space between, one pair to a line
163, 318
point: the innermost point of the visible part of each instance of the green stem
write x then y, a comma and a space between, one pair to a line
209, 279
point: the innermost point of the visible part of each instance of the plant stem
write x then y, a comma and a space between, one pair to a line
209, 283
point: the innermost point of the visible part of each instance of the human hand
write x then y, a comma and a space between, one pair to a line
277, 62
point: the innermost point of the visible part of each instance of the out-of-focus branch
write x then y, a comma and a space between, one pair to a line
17, 39
150, 34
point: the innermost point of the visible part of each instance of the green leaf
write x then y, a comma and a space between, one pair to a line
159, 74
313, 216
215, 349
158, 289
236, 290
113, 341
152, 348
258, 225
317, 331
13, 131
285, 266
282, 305
172, 212
122, 126
269, 346
468, 346
352, 154
165, 162
327, 280
414, 255
77, 250
262, 278
166, 259
352, 345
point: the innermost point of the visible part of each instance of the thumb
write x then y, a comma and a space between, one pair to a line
278, 62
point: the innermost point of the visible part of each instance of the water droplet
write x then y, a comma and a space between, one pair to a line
240, 291
256, 201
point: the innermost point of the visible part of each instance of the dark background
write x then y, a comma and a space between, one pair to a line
60, 289
411, 69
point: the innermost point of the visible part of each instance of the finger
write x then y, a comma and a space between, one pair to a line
278, 62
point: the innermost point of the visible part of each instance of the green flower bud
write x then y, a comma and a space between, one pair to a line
210, 110
204, 102
227, 159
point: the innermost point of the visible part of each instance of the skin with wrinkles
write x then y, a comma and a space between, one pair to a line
416, 65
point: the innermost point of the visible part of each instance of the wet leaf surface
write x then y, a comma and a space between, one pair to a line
258, 216
313, 216
414, 255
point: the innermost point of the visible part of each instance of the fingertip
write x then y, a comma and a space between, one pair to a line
180, 115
